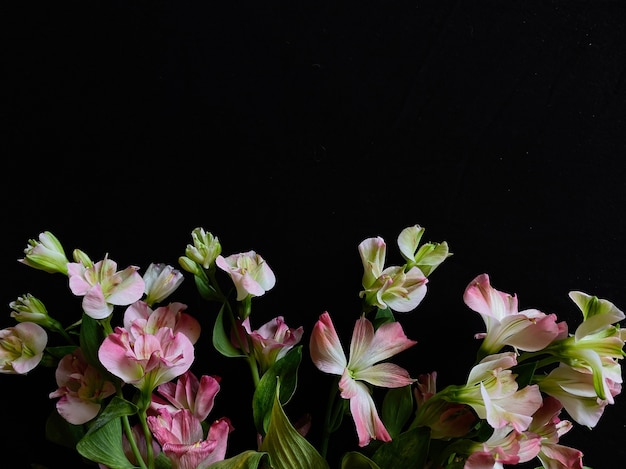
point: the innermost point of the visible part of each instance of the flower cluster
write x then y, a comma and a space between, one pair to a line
125, 387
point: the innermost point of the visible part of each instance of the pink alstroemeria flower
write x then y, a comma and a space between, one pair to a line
547, 424
596, 346
146, 360
390, 287
161, 280
182, 440
82, 388
141, 317
528, 330
504, 446
197, 396
103, 286
367, 349
576, 391
492, 391
270, 342
21, 347
249, 272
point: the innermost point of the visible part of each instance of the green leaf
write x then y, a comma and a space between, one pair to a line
90, 339
103, 441
60, 351
356, 460
525, 373
205, 289
61, 432
104, 446
116, 408
221, 340
397, 409
383, 316
409, 449
286, 370
246, 460
286, 447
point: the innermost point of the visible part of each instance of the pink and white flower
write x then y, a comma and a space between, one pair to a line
182, 439
492, 391
368, 349
270, 342
146, 360
550, 428
188, 392
161, 280
21, 347
505, 446
140, 317
102, 286
81, 388
528, 330
249, 272
393, 287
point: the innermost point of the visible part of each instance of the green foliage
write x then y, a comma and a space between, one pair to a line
221, 339
61, 432
356, 460
286, 371
245, 460
397, 409
103, 446
90, 340
286, 447
409, 449
383, 316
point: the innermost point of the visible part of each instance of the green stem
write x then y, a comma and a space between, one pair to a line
142, 413
330, 416
252, 363
133, 444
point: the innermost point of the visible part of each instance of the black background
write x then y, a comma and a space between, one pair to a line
298, 129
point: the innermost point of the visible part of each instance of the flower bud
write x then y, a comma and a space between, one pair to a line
47, 254
205, 249
27, 308
161, 281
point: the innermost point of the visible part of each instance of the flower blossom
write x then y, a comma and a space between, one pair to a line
249, 272
21, 347
576, 391
549, 427
492, 391
146, 360
140, 318
47, 254
103, 286
367, 349
528, 330
161, 280
81, 388
189, 392
270, 342
392, 287
505, 446
428, 256
182, 439
596, 346
204, 251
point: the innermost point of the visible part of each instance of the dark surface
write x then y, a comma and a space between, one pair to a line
300, 128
